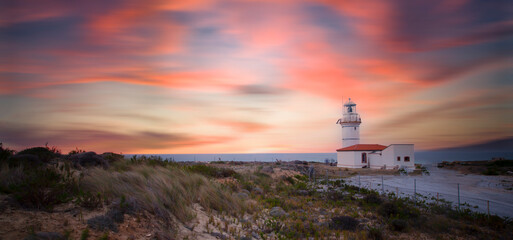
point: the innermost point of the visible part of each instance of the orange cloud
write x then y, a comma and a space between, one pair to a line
243, 126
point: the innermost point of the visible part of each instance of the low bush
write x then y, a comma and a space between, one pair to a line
301, 177
5, 153
343, 223
89, 200
290, 180
398, 208
491, 171
273, 202
373, 199
211, 171
40, 188
398, 225
388, 209
45, 154
375, 233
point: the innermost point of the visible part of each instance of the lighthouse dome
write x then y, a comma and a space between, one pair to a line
349, 103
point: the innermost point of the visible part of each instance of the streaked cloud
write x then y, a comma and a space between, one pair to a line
201, 76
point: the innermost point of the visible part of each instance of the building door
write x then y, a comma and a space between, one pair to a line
364, 158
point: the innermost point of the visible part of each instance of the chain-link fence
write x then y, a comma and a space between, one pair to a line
457, 194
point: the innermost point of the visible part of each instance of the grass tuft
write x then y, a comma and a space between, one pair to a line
166, 192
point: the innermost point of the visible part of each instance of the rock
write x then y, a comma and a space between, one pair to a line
218, 235
277, 212
242, 195
246, 220
358, 196
302, 192
267, 169
116, 215
245, 238
88, 159
255, 235
323, 211
258, 190
45, 236
102, 223
245, 191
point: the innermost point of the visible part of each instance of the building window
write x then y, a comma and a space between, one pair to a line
398, 158
354, 128
406, 159
364, 157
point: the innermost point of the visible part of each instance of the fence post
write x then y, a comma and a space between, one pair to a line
382, 186
415, 191
488, 204
359, 183
436, 197
458, 196
397, 192
326, 176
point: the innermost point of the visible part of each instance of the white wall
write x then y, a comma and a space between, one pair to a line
353, 159
345, 159
375, 159
393, 151
379, 159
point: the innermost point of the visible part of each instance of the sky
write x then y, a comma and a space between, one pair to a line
254, 76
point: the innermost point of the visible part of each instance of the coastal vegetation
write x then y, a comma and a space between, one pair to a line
493, 167
84, 195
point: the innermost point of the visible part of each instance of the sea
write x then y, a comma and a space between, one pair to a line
422, 157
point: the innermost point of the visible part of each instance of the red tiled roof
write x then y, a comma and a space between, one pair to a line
363, 147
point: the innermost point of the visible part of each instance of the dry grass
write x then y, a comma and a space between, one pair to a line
165, 191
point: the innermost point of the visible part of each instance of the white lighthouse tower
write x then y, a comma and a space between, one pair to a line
350, 123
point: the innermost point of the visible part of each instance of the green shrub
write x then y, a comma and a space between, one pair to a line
398, 225
375, 233
343, 223
491, 171
85, 234
5, 153
89, 200
388, 209
45, 154
273, 225
39, 188
273, 202
301, 177
373, 199
290, 180
398, 208
501, 163
211, 171
76, 151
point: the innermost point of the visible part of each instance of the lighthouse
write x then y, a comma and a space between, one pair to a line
356, 155
350, 123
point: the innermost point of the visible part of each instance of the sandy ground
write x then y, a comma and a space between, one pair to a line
475, 190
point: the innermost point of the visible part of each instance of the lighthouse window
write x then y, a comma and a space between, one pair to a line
399, 159
406, 159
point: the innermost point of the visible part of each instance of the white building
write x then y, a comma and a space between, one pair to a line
356, 155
